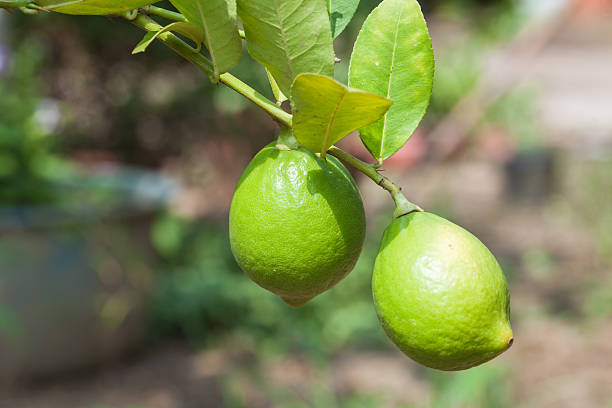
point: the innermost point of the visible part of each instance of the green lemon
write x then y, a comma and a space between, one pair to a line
440, 294
296, 223
93, 7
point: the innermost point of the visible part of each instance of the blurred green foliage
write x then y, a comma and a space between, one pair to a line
319, 394
124, 107
517, 112
123, 406
10, 326
28, 163
482, 386
456, 73
204, 295
596, 202
461, 60
592, 202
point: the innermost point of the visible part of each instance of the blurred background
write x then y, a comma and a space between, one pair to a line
117, 285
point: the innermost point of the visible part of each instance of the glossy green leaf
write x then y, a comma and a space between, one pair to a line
93, 7
393, 58
324, 111
341, 12
289, 37
220, 30
187, 29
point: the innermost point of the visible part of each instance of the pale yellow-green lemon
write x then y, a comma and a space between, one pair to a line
440, 294
296, 222
93, 7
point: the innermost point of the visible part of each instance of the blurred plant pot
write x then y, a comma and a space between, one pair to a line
530, 175
74, 277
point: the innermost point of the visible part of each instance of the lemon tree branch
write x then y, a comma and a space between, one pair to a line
172, 15
167, 14
183, 49
402, 205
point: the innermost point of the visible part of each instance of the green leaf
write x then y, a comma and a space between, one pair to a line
11, 327
289, 37
324, 111
220, 30
231, 7
93, 7
187, 29
341, 12
393, 58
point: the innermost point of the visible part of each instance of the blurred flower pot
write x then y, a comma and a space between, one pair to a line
530, 175
74, 276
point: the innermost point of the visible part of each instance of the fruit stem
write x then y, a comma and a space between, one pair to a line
402, 205
286, 140
201, 62
258, 99
167, 14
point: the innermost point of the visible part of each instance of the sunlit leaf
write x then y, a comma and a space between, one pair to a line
289, 37
324, 111
341, 12
187, 29
393, 58
215, 19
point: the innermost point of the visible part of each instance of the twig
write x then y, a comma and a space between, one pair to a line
402, 205
184, 50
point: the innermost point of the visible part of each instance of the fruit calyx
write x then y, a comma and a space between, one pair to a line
403, 206
286, 140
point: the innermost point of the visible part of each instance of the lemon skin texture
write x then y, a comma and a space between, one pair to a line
297, 223
439, 293
93, 7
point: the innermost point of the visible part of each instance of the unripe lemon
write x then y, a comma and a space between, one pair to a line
440, 294
296, 223
93, 7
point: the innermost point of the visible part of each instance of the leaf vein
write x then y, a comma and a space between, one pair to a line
212, 52
284, 38
331, 122
385, 120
